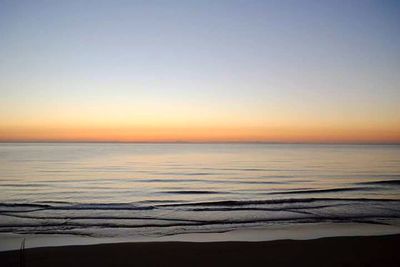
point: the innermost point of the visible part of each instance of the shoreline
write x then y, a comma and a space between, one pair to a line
330, 251
300, 231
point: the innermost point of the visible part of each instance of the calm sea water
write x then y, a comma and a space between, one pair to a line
162, 189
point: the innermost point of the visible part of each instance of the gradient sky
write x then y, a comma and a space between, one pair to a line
289, 71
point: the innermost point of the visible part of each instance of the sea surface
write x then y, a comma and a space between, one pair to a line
114, 190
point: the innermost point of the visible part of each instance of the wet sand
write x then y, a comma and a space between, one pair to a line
332, 251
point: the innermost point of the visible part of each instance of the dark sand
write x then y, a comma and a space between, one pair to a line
336, 251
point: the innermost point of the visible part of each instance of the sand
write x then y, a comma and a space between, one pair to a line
332, 251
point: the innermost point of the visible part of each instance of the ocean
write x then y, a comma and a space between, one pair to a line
153, 190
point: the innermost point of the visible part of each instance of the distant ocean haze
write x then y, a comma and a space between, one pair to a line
162, 189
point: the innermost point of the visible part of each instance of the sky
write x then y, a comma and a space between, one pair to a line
200, 71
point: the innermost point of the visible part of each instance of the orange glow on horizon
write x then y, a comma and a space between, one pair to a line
200, 134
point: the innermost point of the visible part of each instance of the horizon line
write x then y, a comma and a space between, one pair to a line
194, 142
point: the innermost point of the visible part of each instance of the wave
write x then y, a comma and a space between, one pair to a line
384, 182
192, 192
91, 206
142, 205
203, 181
25, 185
70, 225
105, 217
276, 201
159, 217
24, 205
164, 180
331, 190
189, 173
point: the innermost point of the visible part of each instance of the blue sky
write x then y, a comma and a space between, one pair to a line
289, 64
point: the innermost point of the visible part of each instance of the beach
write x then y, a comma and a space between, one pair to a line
332, 251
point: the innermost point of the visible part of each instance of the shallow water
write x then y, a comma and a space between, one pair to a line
108, 190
